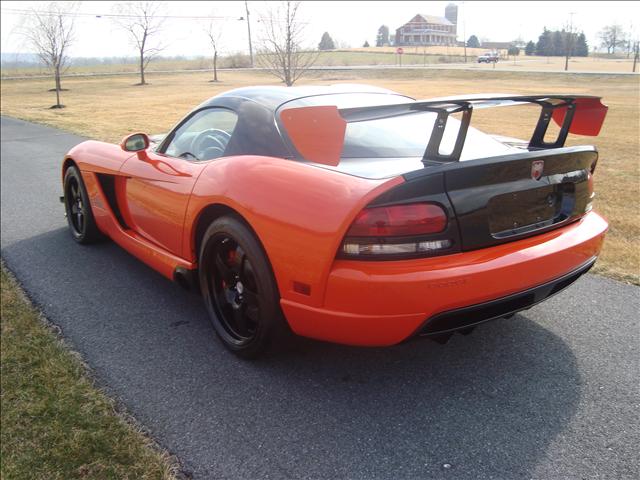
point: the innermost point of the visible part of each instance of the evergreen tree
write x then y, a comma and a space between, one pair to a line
365, 44
473, 42
558, 41
581, 48
544, 46
530, 49
326, 42
383, 36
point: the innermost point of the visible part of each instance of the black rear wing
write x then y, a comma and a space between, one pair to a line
577, 114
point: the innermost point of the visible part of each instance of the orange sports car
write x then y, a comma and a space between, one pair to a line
348, 213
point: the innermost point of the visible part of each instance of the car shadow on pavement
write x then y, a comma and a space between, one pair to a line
487, 404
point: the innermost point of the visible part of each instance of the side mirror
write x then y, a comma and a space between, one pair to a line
136, 142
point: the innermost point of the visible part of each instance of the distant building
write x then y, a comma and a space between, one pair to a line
429, 29
451, 13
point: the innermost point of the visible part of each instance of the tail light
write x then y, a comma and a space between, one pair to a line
397, 220
397, 230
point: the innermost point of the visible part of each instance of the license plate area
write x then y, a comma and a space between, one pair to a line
516, 213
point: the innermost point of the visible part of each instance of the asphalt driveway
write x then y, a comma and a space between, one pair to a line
552, 393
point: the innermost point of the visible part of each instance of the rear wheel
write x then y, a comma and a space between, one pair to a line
239, 289
80, 218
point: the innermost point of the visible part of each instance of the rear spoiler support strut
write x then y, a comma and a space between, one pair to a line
537, 140
432, 153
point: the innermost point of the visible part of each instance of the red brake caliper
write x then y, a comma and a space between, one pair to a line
231, 257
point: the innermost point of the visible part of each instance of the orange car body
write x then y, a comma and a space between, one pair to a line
300, 213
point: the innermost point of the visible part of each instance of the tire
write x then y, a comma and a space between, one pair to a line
239, 289
82, 224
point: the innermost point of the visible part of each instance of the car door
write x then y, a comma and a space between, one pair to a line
159, 183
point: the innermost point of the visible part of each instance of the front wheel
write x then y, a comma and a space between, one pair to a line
82, 224
239, 289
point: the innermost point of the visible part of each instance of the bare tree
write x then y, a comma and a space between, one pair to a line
143, 23
612, 36
50, 32
282, 53
213, 35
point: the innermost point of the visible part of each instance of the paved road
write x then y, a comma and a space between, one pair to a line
552, 393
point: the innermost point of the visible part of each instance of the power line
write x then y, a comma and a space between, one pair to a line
118, 15
115, 15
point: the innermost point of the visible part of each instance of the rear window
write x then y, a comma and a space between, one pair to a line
399, 136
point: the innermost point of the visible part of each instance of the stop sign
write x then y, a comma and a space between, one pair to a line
399, 50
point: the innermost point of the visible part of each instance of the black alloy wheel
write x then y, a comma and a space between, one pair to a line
76, 207
80, 218
235, 290
239, 289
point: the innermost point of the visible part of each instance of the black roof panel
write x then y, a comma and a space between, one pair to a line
272, 97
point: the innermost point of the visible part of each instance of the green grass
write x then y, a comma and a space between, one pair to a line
55, 423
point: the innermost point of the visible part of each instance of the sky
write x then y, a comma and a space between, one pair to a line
350, 23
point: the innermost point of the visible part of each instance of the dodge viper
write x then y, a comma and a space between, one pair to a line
349, 213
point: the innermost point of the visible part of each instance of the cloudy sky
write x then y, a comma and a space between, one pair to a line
350, 23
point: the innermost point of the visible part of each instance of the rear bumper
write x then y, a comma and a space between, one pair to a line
383, 303
460, 318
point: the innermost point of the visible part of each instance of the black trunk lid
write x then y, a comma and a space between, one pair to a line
501, 199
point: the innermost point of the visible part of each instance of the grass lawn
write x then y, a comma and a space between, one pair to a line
427, 56
55, 423
326, 58
107, 108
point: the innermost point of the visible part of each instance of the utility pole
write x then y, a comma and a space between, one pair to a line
568, 42
464, 33
635, 42
246, 6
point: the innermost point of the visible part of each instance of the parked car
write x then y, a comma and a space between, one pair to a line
488, 57
350, 214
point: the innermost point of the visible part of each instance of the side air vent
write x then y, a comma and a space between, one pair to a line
108, 185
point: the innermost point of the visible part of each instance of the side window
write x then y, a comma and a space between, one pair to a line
204, 136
